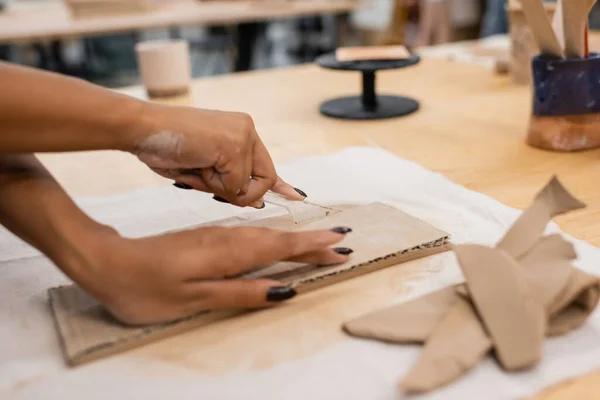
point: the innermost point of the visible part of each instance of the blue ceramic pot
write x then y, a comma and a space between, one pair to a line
566, 86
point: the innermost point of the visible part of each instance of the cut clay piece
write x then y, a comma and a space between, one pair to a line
515, 293
551, 201
371, 53
382, 236
515, 321
390, 325
457, 343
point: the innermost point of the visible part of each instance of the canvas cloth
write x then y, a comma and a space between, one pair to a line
32, 367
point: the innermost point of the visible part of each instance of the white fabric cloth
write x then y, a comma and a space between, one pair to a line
31, 365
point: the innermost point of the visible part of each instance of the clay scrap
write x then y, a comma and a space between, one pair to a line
382, 236
363, 53
514, 295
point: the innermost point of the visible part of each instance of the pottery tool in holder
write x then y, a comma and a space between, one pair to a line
541, 27
523, 46
566, 81
368, 105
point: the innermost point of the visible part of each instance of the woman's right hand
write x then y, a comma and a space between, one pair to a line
217, 152
162, 278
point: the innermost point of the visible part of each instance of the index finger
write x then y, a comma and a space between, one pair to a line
248, 248
263, 175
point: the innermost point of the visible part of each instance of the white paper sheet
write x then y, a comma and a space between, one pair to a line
31, 365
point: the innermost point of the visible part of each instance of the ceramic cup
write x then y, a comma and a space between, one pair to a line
164, 67
566, 103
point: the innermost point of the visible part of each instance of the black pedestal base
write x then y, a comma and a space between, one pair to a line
352, 107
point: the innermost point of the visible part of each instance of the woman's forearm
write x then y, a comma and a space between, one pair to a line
47, 112
36, 208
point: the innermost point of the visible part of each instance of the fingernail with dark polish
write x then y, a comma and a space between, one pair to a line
300, 192
220, 199
342, 229
182, 186
263, 206
280, 293
343, 250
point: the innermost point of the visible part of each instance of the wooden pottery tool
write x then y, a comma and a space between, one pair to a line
541, 28
574, 20
557, 23
566, 103
368, 105
523, 46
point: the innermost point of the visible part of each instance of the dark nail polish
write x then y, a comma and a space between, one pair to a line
182, 186
220, 199
342, 229
263, 206
280, 293
300, 192
343, 250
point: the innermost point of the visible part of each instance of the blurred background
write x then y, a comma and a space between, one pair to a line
94, 39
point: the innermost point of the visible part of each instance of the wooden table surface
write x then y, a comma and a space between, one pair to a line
471, 128
51, 19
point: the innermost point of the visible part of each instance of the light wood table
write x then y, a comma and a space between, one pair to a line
51, 19
471, 128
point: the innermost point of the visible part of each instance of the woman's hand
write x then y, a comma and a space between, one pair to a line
157, 278
166, 277
213, 151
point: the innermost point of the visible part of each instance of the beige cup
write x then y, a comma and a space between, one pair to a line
164, 67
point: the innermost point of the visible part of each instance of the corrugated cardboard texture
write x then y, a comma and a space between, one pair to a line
382, 236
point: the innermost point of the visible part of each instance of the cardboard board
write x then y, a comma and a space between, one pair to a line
382, 236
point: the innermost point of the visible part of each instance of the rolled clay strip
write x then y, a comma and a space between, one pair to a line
577, 300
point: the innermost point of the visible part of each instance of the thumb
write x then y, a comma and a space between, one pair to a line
241, 293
